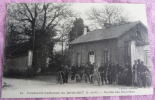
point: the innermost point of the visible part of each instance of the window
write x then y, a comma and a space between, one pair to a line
78, 59
147, 58
106, 56
126, 45
138, 35
91, 57
126, 52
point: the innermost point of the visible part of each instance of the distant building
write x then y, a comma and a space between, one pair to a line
119, 44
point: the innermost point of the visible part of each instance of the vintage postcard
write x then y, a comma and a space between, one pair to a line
76, 50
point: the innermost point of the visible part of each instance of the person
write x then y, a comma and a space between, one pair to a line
135, 77
95, 76
117, 72
61, 72
73, 71
82, 67
89, 64
66, 70
121, 74
113, 71
101, 71
129, 74
106, 68
91, 68
138, 63
87, 71
109, 73
141, 69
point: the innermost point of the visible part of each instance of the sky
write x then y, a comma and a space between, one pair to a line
135, 12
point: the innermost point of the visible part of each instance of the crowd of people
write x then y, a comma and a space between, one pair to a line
87, 69
141, 73
110, 73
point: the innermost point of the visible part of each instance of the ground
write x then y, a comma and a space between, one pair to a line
16, 87
44, 82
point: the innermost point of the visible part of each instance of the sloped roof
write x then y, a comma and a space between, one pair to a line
108, 33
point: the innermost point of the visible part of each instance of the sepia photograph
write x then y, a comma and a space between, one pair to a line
76, 50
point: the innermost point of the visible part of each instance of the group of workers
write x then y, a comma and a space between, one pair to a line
110, 72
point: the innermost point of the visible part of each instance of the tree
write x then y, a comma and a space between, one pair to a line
113, 15
77, 29
14, 37
64, 33
39, 22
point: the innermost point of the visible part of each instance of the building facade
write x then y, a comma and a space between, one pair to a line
119, 44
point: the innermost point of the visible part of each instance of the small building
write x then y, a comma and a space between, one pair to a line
18, 58
119, 44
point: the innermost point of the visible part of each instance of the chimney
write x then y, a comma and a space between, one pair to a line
85, 31
107, 25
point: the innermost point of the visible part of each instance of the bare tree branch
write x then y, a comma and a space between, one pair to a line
28, 10
108, 14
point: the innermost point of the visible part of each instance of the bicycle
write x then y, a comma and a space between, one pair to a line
147, 77
95, 77
81, 76
60, 77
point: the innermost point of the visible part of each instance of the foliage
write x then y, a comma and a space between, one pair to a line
77, 29
38, 21
58, 60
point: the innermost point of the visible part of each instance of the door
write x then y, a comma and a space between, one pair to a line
91, 57
78, 59
106, 56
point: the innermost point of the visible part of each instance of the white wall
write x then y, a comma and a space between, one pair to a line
30, 57
140, 52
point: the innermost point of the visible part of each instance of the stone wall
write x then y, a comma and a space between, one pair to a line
19, 64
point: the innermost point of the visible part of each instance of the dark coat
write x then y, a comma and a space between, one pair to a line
86, 70
91, 69
73, 69
60, 69
109, 69
142, 68
101, 69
